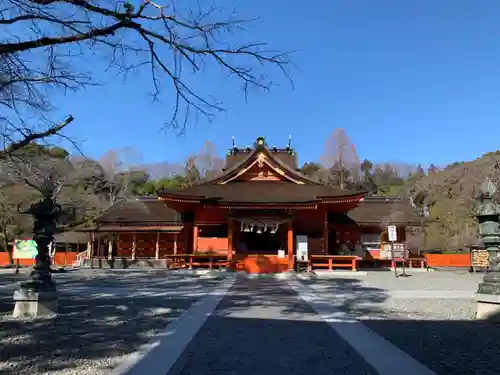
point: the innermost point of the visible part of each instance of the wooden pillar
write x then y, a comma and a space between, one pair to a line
98, 251
195, 238
134, 245
290, 244
326, 230
90, 245
188, 231
157, 246
175, 243
66, 254
110, 246
230, 228
90, 249
117, 239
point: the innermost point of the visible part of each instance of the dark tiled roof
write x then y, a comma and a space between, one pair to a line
139, 228
284, 158
259, 192
371, 211
376, 210
235, 159
73, 237
282, 155
140, 210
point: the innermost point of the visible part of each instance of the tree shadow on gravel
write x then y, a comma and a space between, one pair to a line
262, 326
88, 278
357, 299
465, 347
94, 327
455, 346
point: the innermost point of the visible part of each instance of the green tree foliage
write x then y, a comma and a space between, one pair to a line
310, 169
367, 179
388, 180
152, 186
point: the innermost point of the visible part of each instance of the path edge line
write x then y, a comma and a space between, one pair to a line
159, 355
385, 357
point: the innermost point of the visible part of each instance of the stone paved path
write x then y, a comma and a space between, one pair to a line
263, 327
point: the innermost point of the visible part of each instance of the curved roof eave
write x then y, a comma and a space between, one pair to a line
360, 194
228, 173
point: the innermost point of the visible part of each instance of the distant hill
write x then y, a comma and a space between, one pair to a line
451, 193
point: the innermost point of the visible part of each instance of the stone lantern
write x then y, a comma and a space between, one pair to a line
487, 213
38, 296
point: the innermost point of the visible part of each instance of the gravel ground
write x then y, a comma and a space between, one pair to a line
428, 315
104, 315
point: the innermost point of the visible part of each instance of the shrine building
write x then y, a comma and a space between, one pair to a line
260, 215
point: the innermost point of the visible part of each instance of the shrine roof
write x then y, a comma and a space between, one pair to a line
144, 210
283, 160
259, 192
375, 210
151, 211
238, 156
75, 236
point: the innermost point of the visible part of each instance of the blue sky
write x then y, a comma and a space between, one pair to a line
413, 81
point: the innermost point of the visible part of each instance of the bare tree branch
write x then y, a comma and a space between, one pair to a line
29, 137
172, 41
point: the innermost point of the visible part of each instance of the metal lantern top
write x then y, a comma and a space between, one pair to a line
487, 188
486, 207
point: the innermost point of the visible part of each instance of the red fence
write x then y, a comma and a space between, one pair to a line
448, 260
61, 259
433, 260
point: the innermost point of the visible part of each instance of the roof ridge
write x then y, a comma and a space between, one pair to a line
262, 147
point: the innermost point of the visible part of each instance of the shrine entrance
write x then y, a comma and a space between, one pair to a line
261, 243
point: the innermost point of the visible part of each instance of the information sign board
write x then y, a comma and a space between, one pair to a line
24, 249
393, 235
302, 249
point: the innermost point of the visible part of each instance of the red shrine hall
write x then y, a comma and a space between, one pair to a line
260, 215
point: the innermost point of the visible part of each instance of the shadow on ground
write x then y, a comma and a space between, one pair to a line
262, 327
92, 329
462, 347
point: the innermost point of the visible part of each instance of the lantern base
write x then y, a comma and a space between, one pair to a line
488, 307
34, 304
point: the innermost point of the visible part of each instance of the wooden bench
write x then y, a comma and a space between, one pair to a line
410, 262
192, 261
333, 261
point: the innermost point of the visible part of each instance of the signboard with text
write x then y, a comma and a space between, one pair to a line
392, 232
479, 259
302, 248
24, 249
399, 250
